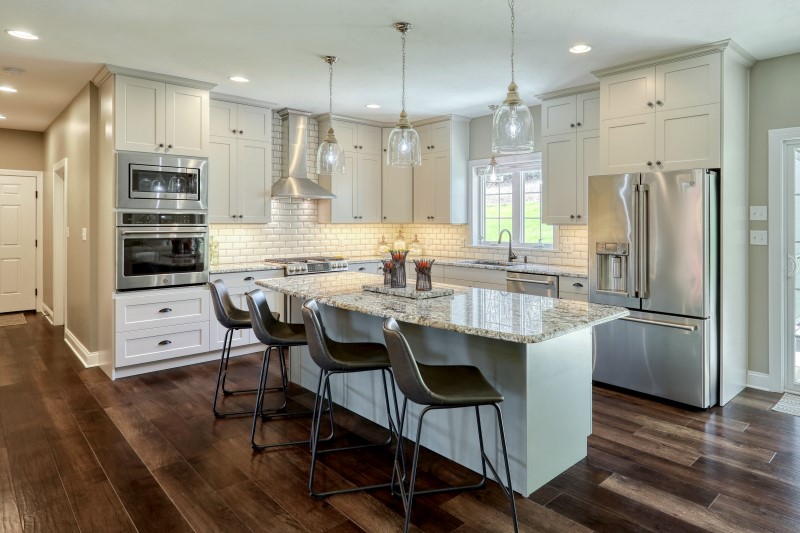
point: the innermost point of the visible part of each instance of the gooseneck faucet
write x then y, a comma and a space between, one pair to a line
511, 254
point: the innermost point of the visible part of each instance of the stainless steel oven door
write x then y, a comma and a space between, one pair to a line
152, 181
149, 257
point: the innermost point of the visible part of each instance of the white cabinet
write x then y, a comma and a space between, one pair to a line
569, 157
240, 121
662, 117
240, 168
568, 114
239, 284
474, 277
365, 267
440, 183
157, 117
397, 191
358, 192
570, 288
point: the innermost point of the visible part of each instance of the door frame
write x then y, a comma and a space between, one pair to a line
779, 142
60, 177
39, 177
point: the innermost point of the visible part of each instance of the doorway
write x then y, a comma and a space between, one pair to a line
18, 241
791, 162
60, 177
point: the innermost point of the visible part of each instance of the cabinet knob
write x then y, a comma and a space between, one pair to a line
572, 216
649, 163
428, 147
433, 147
241, 216
579, 285
161, 145
650, 104
164, 343
572, 125
361, 269
360, 147
169, 146
578, 216
355, 147
234, 131
241, 132
658, 163
384, 218
384, 149
165, 310
579, 124
233, 216
659, 102
249, 278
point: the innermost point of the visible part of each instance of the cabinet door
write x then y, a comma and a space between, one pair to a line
424, 190
255, 123
688, 138
688, 83
222, 187
441, 195
440, 136
186, 121
222, 117
368, 191
559, 169
627, 144
139, 117
588, 164
396, 190
254, 181
346, 134
627, 93
558, 116
587, 107
369, 139
425, 137
342, 208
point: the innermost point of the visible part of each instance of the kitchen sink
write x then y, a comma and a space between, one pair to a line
486, 262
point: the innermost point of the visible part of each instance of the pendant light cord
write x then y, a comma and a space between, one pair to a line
511, 5
330, 89
403, 38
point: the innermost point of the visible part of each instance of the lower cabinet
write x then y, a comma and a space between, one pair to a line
239, 284
157, 344
474, 277
570, 288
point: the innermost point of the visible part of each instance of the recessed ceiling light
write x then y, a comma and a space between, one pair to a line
19, 34
373, 106
580, 48
7, 89
2, 117
240, 79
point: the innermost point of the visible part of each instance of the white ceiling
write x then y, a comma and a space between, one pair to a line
457, 52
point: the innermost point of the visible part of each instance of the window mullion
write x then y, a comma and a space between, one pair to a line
517, 210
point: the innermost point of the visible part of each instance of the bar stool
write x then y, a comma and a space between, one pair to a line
442, 387
334, 357
281, 335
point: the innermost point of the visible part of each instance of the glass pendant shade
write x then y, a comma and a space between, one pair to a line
404, 147
330, 157
512, 127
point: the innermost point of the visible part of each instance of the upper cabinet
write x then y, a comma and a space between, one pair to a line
568, 114
358, 192
157, 117
240, 164
662, 117
397, 202
440, 183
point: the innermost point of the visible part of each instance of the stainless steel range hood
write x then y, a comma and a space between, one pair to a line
294, 182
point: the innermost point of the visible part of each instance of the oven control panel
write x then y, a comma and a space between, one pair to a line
316, 267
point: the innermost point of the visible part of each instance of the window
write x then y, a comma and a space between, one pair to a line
513, 203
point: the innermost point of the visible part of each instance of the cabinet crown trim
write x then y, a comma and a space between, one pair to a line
153, 76
580, 89
711, 48
219, 97
323, 117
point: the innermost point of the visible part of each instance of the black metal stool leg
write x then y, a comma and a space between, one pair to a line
399, 455
510, 491
222, 367
260, 396
414, 464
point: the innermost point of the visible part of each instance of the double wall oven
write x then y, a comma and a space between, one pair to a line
162, 221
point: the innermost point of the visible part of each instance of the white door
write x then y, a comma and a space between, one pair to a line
688, 138
588, 165
17, 243
255, 123
628, 93
222, 188
588, 111
792, 371
424, 190
440, 136
368, 193
223, 120
254, 181
396, 190
688, 83
186, 121
343, 186
559, 168
441, 195
628, 144
369, 139
558, 116
139, 123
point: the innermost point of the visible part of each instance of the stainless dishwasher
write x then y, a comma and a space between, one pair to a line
532, 284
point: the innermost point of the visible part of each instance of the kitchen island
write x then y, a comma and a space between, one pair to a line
536, 351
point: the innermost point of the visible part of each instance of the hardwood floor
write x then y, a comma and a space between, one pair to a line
81, 453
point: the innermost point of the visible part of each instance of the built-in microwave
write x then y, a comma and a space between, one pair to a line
160, 181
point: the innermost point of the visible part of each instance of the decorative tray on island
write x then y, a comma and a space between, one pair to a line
409, 292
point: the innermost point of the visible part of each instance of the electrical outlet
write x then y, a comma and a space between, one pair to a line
758, 237
568, 247
758, 212
67, 232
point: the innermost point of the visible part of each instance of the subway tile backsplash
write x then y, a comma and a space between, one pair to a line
294, 230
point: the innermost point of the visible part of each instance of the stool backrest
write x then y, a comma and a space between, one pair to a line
404, 366
317, 338
261, 317
221, 300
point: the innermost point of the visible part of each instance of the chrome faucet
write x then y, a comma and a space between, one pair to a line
511, 254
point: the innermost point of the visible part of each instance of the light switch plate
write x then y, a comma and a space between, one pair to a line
758, 212
67, 232
758, 237
83, 233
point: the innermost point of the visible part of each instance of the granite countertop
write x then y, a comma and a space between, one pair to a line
522, 318
529, 268
243, 267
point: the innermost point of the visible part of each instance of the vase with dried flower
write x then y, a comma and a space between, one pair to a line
423, 269
398, 268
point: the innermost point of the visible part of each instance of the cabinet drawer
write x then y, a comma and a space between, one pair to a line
367, 267
497, 277
157, 344
573, 296
245, 279
159, 309
573, 285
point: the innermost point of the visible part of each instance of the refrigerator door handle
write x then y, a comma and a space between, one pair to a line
633, 264
684, 327
643, 228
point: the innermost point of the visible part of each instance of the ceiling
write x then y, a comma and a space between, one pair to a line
458, 51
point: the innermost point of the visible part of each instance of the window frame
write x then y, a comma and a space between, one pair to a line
514, 163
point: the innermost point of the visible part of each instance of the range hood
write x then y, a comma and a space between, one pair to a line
294, 182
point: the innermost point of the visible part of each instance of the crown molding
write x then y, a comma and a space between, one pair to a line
220, 97
569, 91
166, 78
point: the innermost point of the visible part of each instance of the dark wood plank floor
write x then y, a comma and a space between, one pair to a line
81, 453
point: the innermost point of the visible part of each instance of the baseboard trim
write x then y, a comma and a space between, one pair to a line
89, 359
48, 313
758, 380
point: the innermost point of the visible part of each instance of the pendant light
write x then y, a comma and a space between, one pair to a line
512, 127
492, 173
330, 158
404, 148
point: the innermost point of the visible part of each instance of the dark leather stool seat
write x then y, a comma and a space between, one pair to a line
334, 357
441, 387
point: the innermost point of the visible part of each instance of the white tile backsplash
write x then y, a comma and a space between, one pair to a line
294, 230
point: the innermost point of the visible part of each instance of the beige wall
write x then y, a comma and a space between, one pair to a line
480, 134
774, 104
70, 137
21, 150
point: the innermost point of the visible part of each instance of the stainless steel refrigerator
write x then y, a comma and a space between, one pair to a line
653, 249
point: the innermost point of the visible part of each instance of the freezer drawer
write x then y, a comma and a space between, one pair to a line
670, 357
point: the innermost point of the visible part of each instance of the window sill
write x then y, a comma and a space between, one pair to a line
516, 248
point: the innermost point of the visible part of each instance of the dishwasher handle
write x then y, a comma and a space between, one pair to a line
534, 281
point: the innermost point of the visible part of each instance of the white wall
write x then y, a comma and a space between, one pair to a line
21, 150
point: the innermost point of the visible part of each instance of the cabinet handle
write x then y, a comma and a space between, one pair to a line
572, 125
650, 104
161, 145
659, 102
579, 124
384, 149
169, 146
361, 269
579, 285
658, 163
384, 218
572, 216
578, 216
234, 132
241, 216
233, 216
164, 343
355, 147
649, 163
241, 132
433, 147
360, 147
249, 278
165, 310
